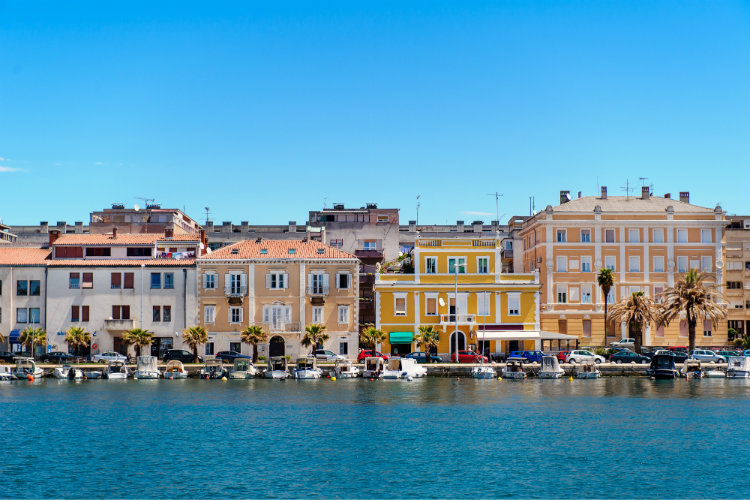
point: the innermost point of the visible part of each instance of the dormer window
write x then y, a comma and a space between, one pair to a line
292, 250
263, 251
321, 250
98, 252
235, 251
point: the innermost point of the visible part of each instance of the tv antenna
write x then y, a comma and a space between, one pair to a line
208, 213
627, 189
497, 205
418, 196
643, 181
149, 201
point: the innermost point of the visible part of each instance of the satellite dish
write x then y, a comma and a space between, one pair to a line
136, 207
202, 246
441, 302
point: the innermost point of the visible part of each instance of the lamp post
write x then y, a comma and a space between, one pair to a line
455, 309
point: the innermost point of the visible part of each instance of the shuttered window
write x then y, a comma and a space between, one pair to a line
116, 280
84, 313
129, 280
88, 280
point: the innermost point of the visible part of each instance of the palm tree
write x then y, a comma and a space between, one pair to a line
638, 311
254, 334
428, 337
314, 336
139, 338
371, 336
605, 279
77, 337
693, 297
31, 337
194, 336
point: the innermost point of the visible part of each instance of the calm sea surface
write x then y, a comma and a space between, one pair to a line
434, 438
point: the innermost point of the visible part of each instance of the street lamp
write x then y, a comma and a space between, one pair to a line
455, 308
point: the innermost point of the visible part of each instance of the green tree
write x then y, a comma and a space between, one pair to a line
77, 338
254, 334
428, 337
690, 295
31, 337
370, 336
638, 311
195, 336
743, 342
314, 335
605, 279
139, 338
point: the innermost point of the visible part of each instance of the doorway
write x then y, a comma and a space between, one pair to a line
161, 345
461, 342
276, 346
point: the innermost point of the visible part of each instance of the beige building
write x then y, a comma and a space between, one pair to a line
737, 273
282, 285
647, 241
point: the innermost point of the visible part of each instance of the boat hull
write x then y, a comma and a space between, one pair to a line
147, 375
116, 376
346, 375
551, 375
588, 375
715, 374
307, 374
738, 374
372, 374
241, 375
665, 374
483, 373
514, 375
276, 375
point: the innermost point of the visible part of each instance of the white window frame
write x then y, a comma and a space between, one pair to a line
707, 263
396, 297
683, 268
210, 281
586, 263
658, 264
585, 235
614, 235
561, 264
561, 236
610, 262
486, 262
611, 296
483, 303
427, 261
573, 294
659, 238
277, 280
428, 297
348, 280
562, 294
317, 314
514, 303
232, 311
705, 239
634, 264
343, 314
634, 232
459, 263
680, 234
209, 314
585, 294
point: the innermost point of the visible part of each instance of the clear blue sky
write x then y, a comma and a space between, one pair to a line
261, 110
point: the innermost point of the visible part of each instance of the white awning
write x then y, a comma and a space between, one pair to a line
508, 335
557, 336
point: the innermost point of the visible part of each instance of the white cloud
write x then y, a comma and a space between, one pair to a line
470, 212
2, 159
9, 169
98, 163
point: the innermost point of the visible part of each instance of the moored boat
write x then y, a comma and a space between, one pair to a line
403, 368
213, 368
26, 369
175, 370
663, 367
373, 367
514, 369
343, 368
692, 369
277, 368
307, 369
587, 369
67, 372
483, 371
116, 370
242, 369
147, 368
738, 367
551, 368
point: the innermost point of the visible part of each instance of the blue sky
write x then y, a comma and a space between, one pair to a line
263, 110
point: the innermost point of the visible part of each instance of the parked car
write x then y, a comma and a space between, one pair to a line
628, 356
230, 356
579, 355
7, 356
367, 353
706, 355
180, 355
421, 357
529, 356
746, 352
327, 355
109, 356
727, 354
562, 356
58, 357
678, 348
497, 357
627, 343
469, 357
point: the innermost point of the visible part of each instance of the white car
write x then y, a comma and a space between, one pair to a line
627, 343
326, 355
108, 356
706, 355
580, 355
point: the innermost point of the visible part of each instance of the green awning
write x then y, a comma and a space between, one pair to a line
401, 337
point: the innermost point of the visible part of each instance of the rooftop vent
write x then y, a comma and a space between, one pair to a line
263, 251
292, 250
564, 197
372, 205
321, 250
645, 193
258, 240
118, 206
338, 206
604, 193
685, 196
235, 251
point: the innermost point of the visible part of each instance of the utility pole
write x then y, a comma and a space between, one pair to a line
497, 205
418, 196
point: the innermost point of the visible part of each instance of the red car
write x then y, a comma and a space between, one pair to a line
366, 353
562, 355
469, 357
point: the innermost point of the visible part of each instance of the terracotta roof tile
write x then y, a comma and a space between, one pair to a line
121, 262
629, 204
23, 256
278, 249
122, 239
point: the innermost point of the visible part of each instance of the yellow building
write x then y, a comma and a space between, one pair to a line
493, 311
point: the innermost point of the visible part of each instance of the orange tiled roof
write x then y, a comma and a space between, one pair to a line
121, 262
122, 239
23, 256
278, 249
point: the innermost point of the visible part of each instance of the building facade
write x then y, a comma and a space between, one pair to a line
737, 274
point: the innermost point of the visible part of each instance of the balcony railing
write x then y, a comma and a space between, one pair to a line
235, 291
317, 290
282, 326
461, 318
119, 324
368, 253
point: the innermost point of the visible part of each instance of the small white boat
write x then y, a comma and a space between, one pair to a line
307, 369
213, 368
147, 368
738, 367
95, 374
6, 374
551, 368
691, 368
116, 370
373, 367
277, 368
587, 369
403, 368
514, 369
174, 370
67, 372
243, 369
343, 368
714, 373
26, 369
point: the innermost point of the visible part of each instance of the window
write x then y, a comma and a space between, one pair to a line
586, 294
682, 264
115, 280
236, 347
370, 245
155, 280
68, 252
74, 280
734, 285
120, 312
585, 235
587, 328
156, 314
75, 314
276, 280
168, 280
682, 236
337, 242
35, 288
660, 331
344, 281
34, 315
457, 261
483, 265
22, 288
22, 315
562, 235
209, 281
399, 304
609, 262
430, 266
382, 218
611, 296
634, 264
658, 263
209, 348
431, 300
128, 280
483, 304
657, 235
708, 327
562, 264
343, 347
586, 264
343, 315
209, 314
706, 263
514, 304
573, 294
237, 284
318, 283
634, 236
317, 315
609, 235
166, 314
98, 252
277, 315
235, 315
683, 328
88, 280
706, 236
562, 294
138, 252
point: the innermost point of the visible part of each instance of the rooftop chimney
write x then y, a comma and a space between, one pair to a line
668, 195
292, 226
114, 232
579, 194
604, 192
564, 197
169, 232
53, 235
645, 193
459, 226
685, 196
412, 225
204, 241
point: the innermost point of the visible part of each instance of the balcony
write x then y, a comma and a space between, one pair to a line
235, 291
368, 253
506, 254
282, 326
318, 290
463, 319
119, 325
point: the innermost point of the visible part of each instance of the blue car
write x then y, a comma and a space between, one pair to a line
746, 352
529, 356
421, 357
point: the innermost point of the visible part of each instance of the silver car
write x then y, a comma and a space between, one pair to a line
706, 355
109, 356
579, 355
326, 355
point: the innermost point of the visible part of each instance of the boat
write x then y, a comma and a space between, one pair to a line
483, 371
175, 369
147, 368
307, 369
403, 368
373, 367
213, 368
6, 374
551, 368
514, 369
692, 369
243, 369
95, 374
587, 369
277, 368
738, 367
663, 367
343, 368
714, 373
67, 372
26, 369
116, 370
